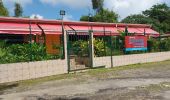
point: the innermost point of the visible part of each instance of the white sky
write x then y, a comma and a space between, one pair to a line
122, 7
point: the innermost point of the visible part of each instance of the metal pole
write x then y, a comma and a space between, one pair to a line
30, 37
68, 52
104, 41
160, 49
91, 45
62, 13
111, 43
91, 48
63, 37
115, 47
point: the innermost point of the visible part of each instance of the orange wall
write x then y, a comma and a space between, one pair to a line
51, 41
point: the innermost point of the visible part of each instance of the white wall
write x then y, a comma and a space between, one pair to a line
31, 70
131, 59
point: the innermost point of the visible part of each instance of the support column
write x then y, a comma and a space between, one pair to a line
91, 46
65, 50
65, 44
30, 38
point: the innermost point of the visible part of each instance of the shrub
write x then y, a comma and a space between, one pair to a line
153, 45
23, 53
80, 48
165, 44
99, 49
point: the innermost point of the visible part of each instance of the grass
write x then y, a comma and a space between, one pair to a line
127, 67
102, 72
156, 87
7, 86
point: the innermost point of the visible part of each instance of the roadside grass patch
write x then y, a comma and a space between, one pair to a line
156, 87
127, 67
49, 78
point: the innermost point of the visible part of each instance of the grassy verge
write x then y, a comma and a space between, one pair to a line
128, 67
156, 87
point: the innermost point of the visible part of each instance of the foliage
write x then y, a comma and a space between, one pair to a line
97, 5
2, 50
104, 15
99, 49
136, 19
159, 12
156, 45
84, 18
101, 15
158, 16
80, 48
23, 53
3, 9
121, 41
18, 10
153, 45
165, 44
141, 19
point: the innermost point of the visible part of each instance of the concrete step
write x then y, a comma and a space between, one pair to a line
76, 65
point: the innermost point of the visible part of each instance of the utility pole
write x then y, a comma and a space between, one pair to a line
62, 13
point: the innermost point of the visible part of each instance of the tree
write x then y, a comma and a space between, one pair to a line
141, 19
101, 15
104, 15
18, 10
97, 5
136, 19
3, 9
159, 12
158, 16
84, 18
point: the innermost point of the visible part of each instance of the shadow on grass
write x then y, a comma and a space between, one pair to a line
7, 86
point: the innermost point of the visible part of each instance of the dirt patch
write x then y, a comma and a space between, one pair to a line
151, 92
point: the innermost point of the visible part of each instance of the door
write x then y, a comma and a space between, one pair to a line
78, 50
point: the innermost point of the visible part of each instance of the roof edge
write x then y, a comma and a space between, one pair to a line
52, 21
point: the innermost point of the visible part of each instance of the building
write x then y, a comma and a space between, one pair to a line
24, 30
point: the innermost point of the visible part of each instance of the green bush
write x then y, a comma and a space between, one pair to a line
80, 48
99, 49
23, 53
153, 45
27, 52
165, 44
156, 45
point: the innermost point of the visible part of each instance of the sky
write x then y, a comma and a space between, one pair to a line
49, 9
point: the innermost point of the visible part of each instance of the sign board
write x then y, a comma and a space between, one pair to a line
134, 43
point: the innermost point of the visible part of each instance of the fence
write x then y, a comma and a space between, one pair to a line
102, 49
35, 63
28, 48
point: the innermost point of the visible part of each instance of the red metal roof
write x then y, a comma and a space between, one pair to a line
28, 20
21, 25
